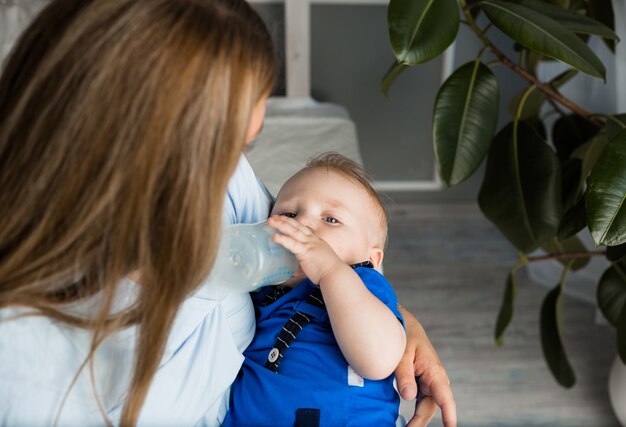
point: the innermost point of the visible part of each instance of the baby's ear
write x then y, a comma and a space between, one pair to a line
376, 257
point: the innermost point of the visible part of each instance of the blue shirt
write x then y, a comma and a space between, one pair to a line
313, 372
39, 357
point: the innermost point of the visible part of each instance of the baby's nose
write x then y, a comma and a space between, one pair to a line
306, 221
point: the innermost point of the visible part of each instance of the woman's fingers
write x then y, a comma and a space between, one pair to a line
424, 411
442, 394
405, 374
420, 359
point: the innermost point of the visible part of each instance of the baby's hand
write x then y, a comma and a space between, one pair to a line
316, 257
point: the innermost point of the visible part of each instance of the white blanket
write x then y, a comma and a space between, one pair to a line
296, 130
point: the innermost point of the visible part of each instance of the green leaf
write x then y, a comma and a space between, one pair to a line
563, 78
614, 125
538, 32
534, 101
602, 11
611, 293
474, 10
577, 5
562, 3
616, 253
533, 59
621, 336
571, 20
394, 71
506, 309
464, 121
570, 132
421, 30
573, 221
551, 342
571, 245
606, 192
571, 187
532, 104
537, 125
590, 153
521, 190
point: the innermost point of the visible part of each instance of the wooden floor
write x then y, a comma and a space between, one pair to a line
448, 265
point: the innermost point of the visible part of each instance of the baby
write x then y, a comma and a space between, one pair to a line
328, 340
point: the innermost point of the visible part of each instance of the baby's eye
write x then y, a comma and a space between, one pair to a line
289, 214
330, 220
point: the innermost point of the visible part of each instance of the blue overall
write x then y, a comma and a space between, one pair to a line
308, 381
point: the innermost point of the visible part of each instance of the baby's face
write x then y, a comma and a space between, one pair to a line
339, 210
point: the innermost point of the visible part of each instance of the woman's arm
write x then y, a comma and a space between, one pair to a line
247, 200
420, 367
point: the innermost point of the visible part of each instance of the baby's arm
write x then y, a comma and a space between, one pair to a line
370, 336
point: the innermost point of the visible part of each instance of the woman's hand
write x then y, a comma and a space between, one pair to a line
420, 361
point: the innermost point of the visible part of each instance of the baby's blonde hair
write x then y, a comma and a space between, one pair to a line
356, 173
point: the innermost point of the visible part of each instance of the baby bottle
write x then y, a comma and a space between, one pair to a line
248, 259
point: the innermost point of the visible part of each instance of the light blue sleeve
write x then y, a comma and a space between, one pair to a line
247, 200
39, 357
204, 352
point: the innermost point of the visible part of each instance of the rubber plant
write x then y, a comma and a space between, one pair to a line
542, 184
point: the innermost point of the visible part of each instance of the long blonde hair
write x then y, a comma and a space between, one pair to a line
121, 122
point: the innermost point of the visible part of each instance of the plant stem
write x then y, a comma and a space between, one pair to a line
472, 23
471, 6
564, 274
556, 106
545, 88
483, 33
619, 270
613, 119
525, 74
565, 255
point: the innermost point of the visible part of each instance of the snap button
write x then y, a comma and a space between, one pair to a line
273, 356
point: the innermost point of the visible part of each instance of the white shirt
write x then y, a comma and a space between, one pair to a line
39, 357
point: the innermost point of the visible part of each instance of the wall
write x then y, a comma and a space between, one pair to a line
350, 53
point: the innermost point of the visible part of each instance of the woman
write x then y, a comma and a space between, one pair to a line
121, 123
